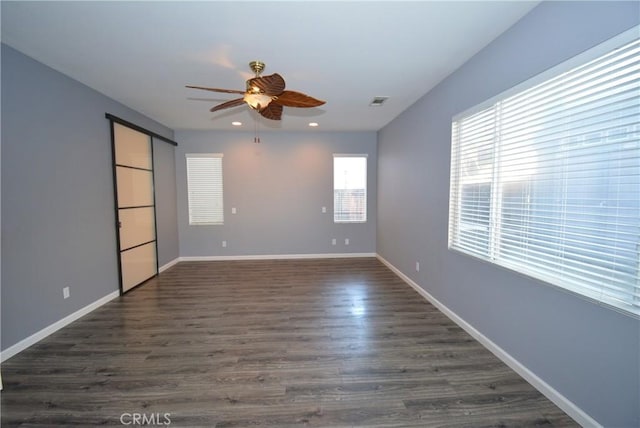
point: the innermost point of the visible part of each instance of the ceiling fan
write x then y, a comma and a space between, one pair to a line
265, 94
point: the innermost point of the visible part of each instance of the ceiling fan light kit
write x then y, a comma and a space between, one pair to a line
265, 94
256, 100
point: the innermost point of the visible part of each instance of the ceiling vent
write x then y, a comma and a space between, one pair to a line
378, 101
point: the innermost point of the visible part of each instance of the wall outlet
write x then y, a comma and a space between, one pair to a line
65, 292
346, 241
224, 244
333, 241
234, 210
324, 210
417, 266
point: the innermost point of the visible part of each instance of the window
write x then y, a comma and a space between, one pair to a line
545, 179
349, 188
204, 182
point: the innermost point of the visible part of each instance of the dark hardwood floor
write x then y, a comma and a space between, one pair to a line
331, 343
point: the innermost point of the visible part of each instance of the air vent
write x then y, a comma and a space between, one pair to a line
378, 101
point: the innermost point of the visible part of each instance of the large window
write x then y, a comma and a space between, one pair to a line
204, 181
545, 179
349, 188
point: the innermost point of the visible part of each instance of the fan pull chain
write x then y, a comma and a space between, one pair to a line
256, 139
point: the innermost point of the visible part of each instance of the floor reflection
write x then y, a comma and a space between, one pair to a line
358, 296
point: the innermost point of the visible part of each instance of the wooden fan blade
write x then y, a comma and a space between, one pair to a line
226, 91
273, 111
270, 85
297, 99
227, 104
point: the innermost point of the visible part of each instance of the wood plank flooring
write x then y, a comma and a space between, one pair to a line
280, 343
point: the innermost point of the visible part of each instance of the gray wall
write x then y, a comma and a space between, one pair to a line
588, 353
278, 188
58, 221
164, 164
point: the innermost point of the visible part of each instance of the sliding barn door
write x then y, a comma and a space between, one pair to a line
135, 206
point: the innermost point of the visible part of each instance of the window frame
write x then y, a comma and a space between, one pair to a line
366, 179
496, 211
217, 181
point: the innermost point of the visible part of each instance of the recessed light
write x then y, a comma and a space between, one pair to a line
313, 124
236, 123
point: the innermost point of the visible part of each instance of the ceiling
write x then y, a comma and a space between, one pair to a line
346, 53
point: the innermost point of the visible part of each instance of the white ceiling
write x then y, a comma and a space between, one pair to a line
143, 53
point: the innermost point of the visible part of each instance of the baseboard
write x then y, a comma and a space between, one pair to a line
36, 337
570, 408
276, 257
547, 390
168, 265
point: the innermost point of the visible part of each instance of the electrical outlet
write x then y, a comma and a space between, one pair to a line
346, 241
234, 210
417, 266
324, 210
65, 292
224, 244
333, 241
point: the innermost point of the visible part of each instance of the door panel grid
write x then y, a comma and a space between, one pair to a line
136, 226
135, 206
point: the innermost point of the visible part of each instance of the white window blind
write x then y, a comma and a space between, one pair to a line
349, 188
546, 181
204, 182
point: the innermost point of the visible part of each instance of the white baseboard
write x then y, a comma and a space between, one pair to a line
168, 265
570, 408
36, 337
276, 257
558, 399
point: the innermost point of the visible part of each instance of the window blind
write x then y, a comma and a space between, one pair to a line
204, 182
349, 188
546, 181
